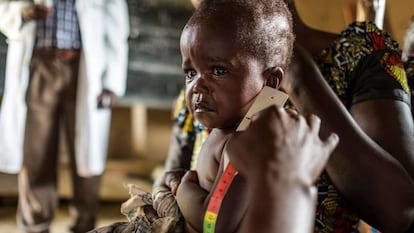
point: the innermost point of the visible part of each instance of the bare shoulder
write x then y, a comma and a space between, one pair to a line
208, 164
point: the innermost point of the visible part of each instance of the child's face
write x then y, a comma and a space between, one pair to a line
221, 82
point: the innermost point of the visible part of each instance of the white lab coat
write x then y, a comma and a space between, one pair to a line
104, 26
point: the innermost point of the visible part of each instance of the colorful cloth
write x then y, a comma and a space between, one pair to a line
364, 63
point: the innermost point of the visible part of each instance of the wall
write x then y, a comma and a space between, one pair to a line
329, 15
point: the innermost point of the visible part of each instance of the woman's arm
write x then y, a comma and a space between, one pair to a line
375, 141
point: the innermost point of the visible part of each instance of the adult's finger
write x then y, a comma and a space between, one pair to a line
331, 142
314, 123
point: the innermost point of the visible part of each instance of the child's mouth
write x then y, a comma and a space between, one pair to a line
202, 107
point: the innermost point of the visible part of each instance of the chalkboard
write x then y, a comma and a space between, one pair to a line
155, 63
154, 70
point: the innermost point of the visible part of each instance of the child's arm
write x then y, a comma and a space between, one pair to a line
191, 200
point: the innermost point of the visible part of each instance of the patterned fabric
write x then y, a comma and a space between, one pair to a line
61, 30
363, 63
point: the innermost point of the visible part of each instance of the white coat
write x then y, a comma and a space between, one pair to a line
104, 26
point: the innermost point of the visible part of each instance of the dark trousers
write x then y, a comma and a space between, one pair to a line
51, 105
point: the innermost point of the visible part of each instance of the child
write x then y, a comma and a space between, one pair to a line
230, 51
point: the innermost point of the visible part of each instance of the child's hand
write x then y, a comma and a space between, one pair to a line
283, 143
164, 191
169, 182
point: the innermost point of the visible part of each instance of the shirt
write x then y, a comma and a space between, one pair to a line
61, 29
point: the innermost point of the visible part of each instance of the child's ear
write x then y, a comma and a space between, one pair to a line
274, 77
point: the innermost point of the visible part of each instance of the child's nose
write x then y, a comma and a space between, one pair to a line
201, 84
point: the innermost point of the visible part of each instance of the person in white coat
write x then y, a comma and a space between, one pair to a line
66, 65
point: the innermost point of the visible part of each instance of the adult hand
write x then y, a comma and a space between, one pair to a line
281, 142
107, 99
36, 12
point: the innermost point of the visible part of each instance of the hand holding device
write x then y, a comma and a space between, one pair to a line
267, 97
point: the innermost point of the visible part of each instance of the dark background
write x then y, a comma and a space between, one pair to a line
154, 70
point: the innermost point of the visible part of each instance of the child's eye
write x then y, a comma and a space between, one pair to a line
190, 73
218, 70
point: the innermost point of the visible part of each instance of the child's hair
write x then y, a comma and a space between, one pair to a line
265, 27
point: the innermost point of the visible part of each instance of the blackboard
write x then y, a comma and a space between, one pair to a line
154, 70
155, 75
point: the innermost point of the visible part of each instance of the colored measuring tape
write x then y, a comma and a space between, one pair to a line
267, 97
210, 218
